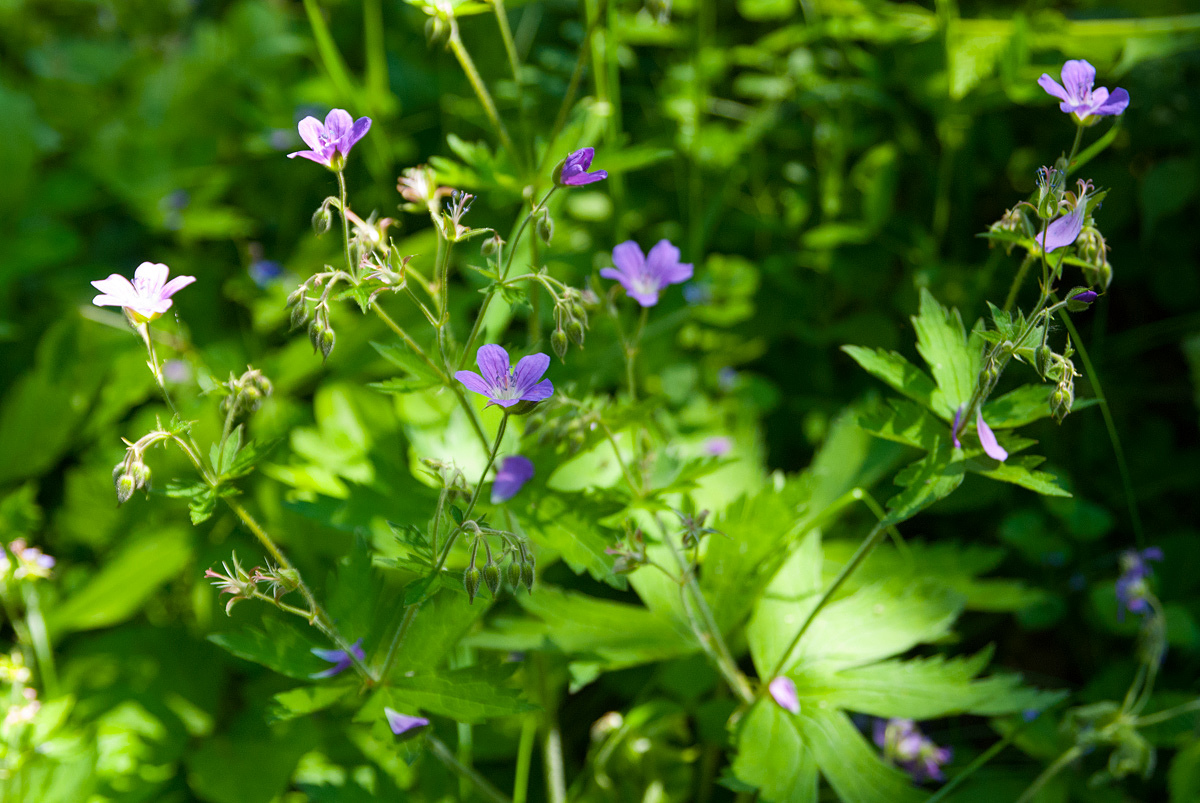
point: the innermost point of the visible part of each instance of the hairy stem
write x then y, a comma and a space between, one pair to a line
352, 269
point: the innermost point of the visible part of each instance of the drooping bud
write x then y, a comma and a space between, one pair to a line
575, 331
315, 329
545, 228
527, 573
322, 220
125, 486
296, 296
558, 343
471, 579
1045, 358
1093, 250
299, 316
491, 246
1079, 299
327, 341
491, 577
1062, 400
514, 573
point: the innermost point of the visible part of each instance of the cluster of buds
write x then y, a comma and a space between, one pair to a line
1093, 250
630, 552
1059, 369
131, 474
245, 394
21, 561
571, 320
521, 562
320, 333
1106, 724
571, 428
1013, 222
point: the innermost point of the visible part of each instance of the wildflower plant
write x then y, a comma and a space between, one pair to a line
446, 620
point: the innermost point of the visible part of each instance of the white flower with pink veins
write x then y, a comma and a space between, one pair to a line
146, 297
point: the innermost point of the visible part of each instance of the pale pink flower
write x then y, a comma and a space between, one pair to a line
146, 297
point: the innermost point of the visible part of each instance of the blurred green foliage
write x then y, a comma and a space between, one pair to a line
826, 164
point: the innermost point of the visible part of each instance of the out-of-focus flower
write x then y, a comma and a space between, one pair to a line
1132, 590
265, 272
954, 428
988, 439
514, 472
403, 723
905, 746
146, 297
341, 659
24, 713
13, 669
330, 143
504, 386
236, 582
645, 276
1077, 94
718, 446
573, 171
783, 691
177, 372
26, 562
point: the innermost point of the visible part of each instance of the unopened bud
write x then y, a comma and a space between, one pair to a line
471, 579
545, 228
322, 219
527, 573
435, 30
327, 340
299, 316
125, 487
491, 577
296, 296
578, 312
1079, 299
1061, 401
575, 332
558, 343
1045, 357
491, 246
514, 573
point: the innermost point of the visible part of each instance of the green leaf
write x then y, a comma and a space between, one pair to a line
772, 757
306, 700
278, 646
248, 766
953, 360
1183, 780
472, 694
851, 765
899, 374
574, 535
125, 583
931, 478
1020, 471
903, 422
1019, 407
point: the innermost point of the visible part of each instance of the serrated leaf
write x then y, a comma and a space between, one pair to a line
472, 694
772, 758
850, 764
953, 359
278, 647
1020, 471
248, 457
306, 700
931, 478
903, 422
898, 373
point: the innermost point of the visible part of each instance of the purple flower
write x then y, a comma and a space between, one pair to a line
1077, 95
504, 386
572, 172
644, 277
1132, 590
954, 428
264, 272
718, 446
1064, 230
340, 659
512, 475
783, 690
403, 723
988, 439
331, 143
1086, 297
904, 745
146, 297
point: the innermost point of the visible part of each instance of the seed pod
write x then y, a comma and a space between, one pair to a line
575, 332
491, 577
558, 343
1061, 401
471, 579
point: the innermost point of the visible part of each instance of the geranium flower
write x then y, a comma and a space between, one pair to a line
572, 172
783, 691
904, 745
340, 659
331, 142
1077, 95
146, 297
403, 723
644, 277
1064, 230
504, 386
988, 439
1132, 590
512, 475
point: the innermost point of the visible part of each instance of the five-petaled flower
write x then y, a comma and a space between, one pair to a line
1065, 229
904, 745
403, 723
146, 297
505, 386
514, 472
573, 171
1077, 95
645, 277
783, 691
341, 659
331, 142
1132, 590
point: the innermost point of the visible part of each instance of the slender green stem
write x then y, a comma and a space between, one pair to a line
1096, 148
524, 758
350, 268
39, 637
980, 761
864, 549
319, 617
481, 784
481, 90
552, 755
510, 46
1055, 768
1170, 713
1075, 145
1111, 425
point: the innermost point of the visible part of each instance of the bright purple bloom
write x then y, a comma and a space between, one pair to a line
1132, 590
504, 386
146, 297
512, 475
403, 723
331, 143
340, 659
644, 277
1064, 230
573, 170
783, 690
904, 745
1077, 95
988, 439
1086, 297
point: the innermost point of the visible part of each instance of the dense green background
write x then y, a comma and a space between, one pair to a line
820, 162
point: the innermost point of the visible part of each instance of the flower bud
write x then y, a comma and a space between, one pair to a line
296, 296
327, 340
558, 343
545, 228
578, 312
491, 577
491, 246
314, 334
322, 220
527, 573
471, 582
1045, 358
575, 331
299, 316
514, 573
125, 487
1061, 401
1079, 299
